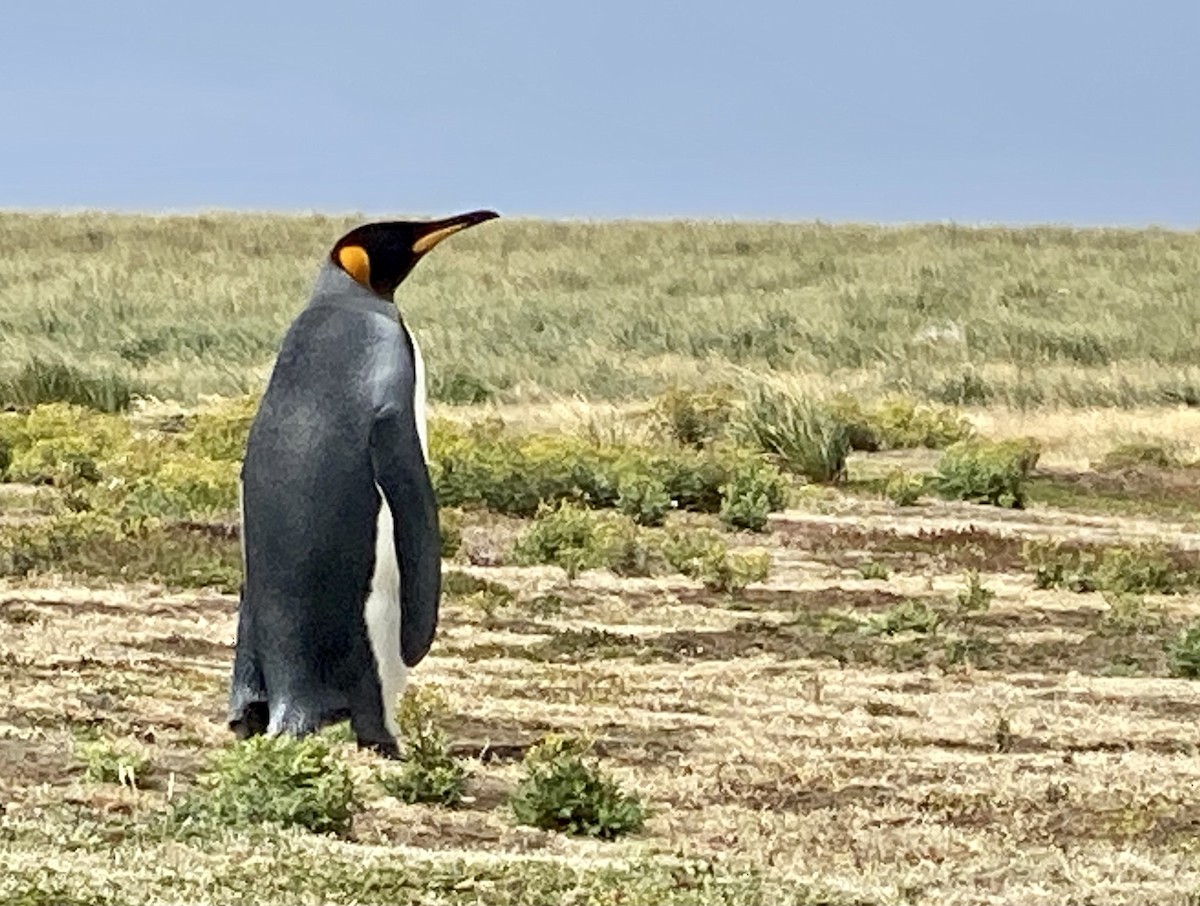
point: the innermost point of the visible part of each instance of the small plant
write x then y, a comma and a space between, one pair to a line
643, 498
276, 779
450, 526
429, 773
696, 419
873, 569
801, 437
975, 597
912, 615
904, 488
220, 431
1138, 454
1056, 566
898, 423
1131, 615
1144, 569
754, 491
1183, 653
109, 761
984, 472
704, 555
566, 536
561, 791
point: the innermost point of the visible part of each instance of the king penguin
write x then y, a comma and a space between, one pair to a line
340, 538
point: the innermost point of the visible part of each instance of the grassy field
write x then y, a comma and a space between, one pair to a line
919, 699
526, 310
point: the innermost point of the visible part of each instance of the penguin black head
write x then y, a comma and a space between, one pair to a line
380, 255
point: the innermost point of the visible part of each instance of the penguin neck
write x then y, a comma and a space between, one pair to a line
334, 287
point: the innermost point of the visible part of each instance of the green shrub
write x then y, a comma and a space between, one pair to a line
220, 431
898, 423
63, 444
643, 498
873, 569
515, 475
694, 478
801, 437
274, 779
576, 539
754, 490
695, 419
40, 382
429, 772
911, 615
92, 544
904, 488
903, 424
1137, 570
1131, 615
703, 555
113, 761
1139, 453
985, 472
1144, 569
450, 526
561, 791
974, 597
184, 486
1183, 653
482, 595
1057, 566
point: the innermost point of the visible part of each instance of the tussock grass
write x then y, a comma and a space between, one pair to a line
189, 305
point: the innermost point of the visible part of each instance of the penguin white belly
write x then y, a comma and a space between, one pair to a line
419, 395
382, 613
382, 608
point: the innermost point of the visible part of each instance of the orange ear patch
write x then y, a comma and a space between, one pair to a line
354, 261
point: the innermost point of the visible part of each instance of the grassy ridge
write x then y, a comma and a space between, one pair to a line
184, 306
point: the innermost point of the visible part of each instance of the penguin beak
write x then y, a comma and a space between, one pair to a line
435, 231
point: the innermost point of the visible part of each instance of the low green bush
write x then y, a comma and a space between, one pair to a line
899, 423
561, 791
1183, 652
576, 539
904, 488
92, 544
643, 498
219, 431
984, 472
429, 773
112, 761
704, 555
1137, 570
974, 597
754, 491
279, 780
1138, 454
695, 418
911, 615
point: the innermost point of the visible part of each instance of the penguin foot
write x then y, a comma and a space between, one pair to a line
251, 721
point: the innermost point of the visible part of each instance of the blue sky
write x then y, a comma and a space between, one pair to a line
1054, 110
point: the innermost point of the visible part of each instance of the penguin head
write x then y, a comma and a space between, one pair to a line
380, 255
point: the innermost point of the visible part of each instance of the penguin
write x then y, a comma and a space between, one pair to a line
340, 542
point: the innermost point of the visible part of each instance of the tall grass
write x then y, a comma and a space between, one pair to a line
184, 306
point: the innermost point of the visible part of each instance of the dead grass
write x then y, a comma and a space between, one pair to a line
798, 757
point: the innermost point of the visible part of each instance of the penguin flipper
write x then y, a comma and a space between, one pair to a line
402, 475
